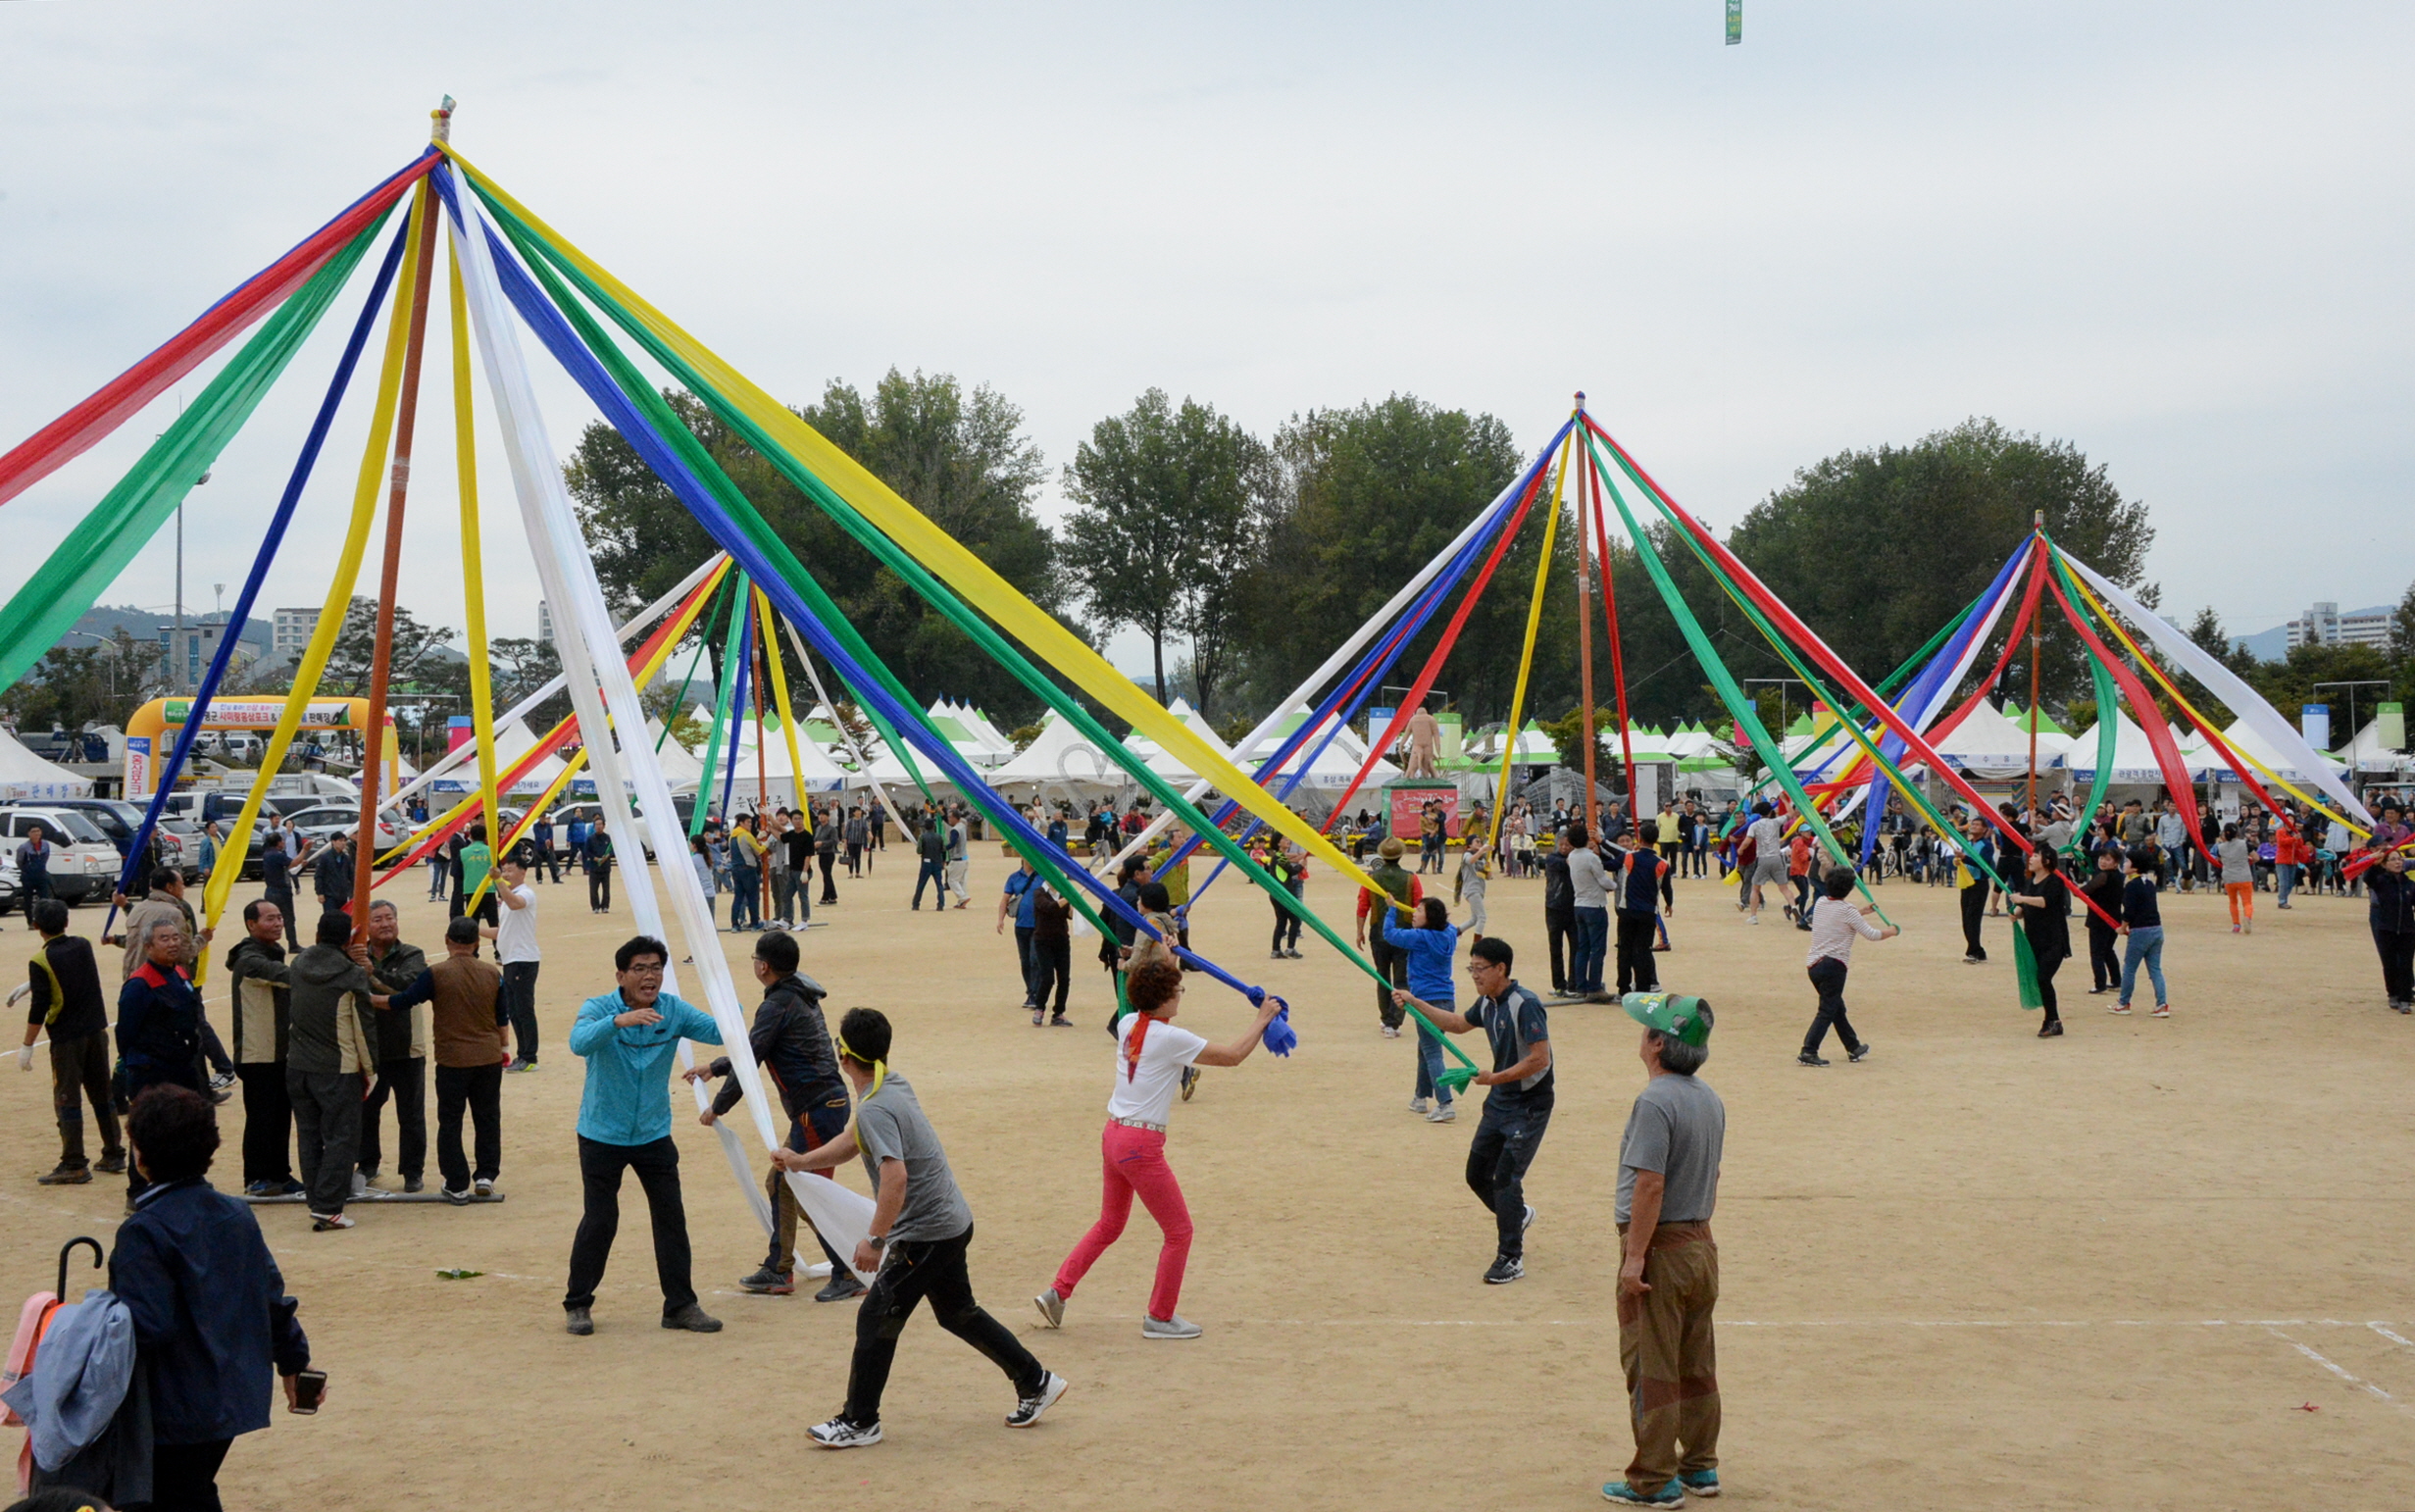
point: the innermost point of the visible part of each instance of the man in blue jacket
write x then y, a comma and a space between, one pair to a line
629, 1037
211, 1315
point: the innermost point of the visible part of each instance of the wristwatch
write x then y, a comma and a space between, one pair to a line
876, 1241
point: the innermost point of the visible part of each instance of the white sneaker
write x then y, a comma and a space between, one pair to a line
1443, 1114
1027, 1411
484, 1186
1391, 1032
1051, 1308
1168, 1327
1418, 1104
839, 1433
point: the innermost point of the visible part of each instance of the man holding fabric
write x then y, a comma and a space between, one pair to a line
402, 1056
629, 1037
1403, 892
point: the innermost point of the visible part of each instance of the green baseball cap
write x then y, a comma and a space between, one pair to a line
1674, 1013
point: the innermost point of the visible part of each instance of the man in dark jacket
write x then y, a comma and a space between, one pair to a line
1559, 912
331, 873
67, 1002
331, 1049
402, 1055
263, 1021
211, 1320
277, 885
932, 851
159, 1025
793, 1047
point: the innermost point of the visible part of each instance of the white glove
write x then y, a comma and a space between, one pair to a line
25, 1058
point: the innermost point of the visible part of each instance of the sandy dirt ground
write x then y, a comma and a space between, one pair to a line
2154, 1263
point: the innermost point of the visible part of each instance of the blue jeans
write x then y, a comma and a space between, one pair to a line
2146, 945
2289, 880
1430, 1058
1592, 944
745, 896
932, 872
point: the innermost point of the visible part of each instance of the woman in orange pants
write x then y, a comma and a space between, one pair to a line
2238, 882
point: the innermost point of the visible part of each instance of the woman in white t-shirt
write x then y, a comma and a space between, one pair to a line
1151, 1055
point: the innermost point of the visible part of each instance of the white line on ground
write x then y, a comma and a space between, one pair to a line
2342, 1373
2396, 1339
1838, 1322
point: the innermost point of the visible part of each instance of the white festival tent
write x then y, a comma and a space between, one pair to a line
681, 766
24, 775
2134, 757
821, 774
513, 741
1167, 766
2254, 750
1330, 767
1991, 747
1057, 758
2370, 754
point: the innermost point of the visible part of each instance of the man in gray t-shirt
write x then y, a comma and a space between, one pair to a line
915, 1247
1668, 1281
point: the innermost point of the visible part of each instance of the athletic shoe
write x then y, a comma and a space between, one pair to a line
1274, 955
459, 1196
286, 1188
484, 1186
842, 1287
1191, 1081
1175, 1327
260, 1188
321, 1222
2235, 929
1419, 1105
695, 1319
1806, 1058
2249, 927
2162, 1010
1669, 1496
575, 1319
2404, 1007
1699, 1483
1293, 954
2120, 1008
1051, 1308
1060, 1021
1528, 1221
2053, 1030
1858, 1055
222, 1080
115, 1165
1027, 1411
839, 1433
1027, 1003
1443, 1113
1038, 1018
361, 1181
2093, 991
1752, 919
414, 1184
766, 1282
65, 1174
1506, 1269
1391, 1032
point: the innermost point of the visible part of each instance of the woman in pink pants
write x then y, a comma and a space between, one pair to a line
1152, 1054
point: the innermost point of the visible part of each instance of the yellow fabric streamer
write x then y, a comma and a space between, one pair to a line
1525, 658
472, 563
947, 556
333, 612
779, 690
2154, 670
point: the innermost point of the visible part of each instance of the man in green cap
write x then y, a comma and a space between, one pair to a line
1668, 1281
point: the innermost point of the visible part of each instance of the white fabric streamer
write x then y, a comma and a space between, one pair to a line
596, 682
2225, 685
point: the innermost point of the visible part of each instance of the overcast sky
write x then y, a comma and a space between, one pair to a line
2176, 235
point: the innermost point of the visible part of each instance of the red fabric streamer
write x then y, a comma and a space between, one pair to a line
2151, 720
1618, 662
1441, 652
78, 430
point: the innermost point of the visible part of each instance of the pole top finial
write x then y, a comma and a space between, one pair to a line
1580, 398
443, 116
2038, 517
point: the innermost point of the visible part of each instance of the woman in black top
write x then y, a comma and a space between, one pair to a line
2045, 918
2392, 891
2104, 887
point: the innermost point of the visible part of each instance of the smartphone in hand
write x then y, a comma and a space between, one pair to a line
309, 1386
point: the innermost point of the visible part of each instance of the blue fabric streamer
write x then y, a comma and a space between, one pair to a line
259, 572
553, 330
737, 703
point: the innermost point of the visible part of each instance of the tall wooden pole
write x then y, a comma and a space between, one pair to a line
365, 845
2038, 548
1585, 638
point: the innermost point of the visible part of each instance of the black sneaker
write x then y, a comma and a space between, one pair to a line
65, 1174
115, 1165
842, 1287
1027, 1411
695, 1319
414, 1184
1806, 1058
575, 1319
1506, 1269
767, 1282
1859, 1053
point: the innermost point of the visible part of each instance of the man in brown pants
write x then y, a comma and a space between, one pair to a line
1668, 1282
68, 1004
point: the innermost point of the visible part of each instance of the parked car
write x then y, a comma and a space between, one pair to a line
326, 820
7, 886
120, 820
86, 865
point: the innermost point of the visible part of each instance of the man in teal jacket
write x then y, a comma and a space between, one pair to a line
628, 1039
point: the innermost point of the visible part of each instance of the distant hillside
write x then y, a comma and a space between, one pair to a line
105, 621
2273, 645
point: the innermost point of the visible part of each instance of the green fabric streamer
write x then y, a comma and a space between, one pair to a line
704, 636
97, 550
541, 255
2025, 970
2108, 731
711, 780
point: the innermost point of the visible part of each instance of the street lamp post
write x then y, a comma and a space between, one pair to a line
2354, 768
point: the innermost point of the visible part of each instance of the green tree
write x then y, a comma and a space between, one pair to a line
73, 686
1367, 497
1875, 549
957, 455
414, 649
1168, 502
